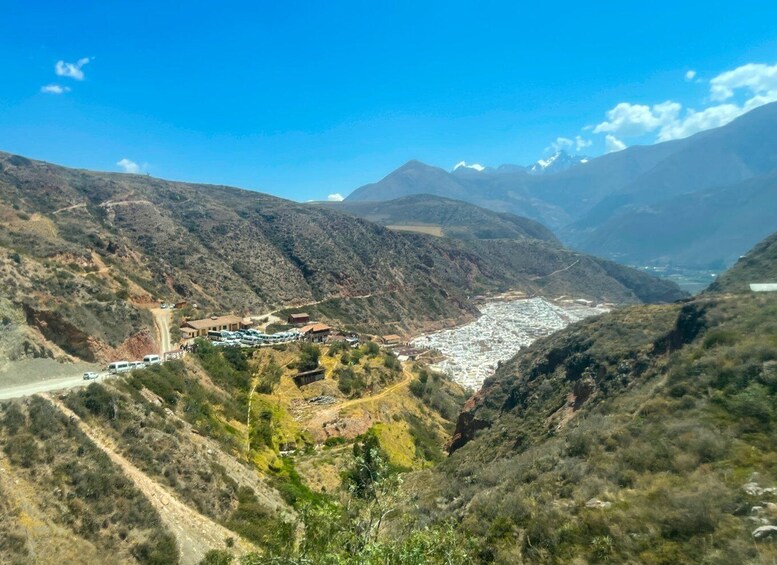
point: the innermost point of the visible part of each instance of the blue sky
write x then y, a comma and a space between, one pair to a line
307, 99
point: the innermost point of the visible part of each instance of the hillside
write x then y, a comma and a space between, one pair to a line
453, 218
85, 254
633, 205
708, 229
757, 266
644, 435
220, 452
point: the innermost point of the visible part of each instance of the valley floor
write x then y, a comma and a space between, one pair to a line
473, 352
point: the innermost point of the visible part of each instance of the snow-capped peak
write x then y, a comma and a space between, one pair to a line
559, 161
475, 166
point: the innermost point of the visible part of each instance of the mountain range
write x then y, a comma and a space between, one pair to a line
85, 254
699, 202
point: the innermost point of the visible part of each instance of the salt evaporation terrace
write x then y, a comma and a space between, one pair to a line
473, 351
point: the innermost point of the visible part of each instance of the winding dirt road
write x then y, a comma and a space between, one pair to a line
162, 324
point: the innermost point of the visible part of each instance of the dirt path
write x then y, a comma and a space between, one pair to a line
556, 272
162, 324
67, 208
385, 392
194, 533
110, 204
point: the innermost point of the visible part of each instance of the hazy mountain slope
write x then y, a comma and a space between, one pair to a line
501, 192
588, 204
757, 266
622, 439
706, 229
458, 219
719, 157
85, 252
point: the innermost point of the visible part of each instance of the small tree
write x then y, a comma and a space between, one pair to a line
371, 480
308, 358
270, 378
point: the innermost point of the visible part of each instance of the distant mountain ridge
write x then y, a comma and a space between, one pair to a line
83, 254
618, 205
556, 163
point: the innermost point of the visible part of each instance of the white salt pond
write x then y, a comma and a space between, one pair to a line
473, 351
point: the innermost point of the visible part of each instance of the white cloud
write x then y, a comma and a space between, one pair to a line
54, 89
129, 166
613, 144
336, 197
757, 78
629, 120
563, 143
733, 93
71, 70
694, 122
560, 144
581, 143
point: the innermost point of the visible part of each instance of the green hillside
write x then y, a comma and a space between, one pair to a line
757, 266
642, 436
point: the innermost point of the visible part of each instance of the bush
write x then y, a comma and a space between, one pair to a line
22, 450
391, 362
349, 382
308, 358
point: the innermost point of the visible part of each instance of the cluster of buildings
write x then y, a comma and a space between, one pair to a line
216, 326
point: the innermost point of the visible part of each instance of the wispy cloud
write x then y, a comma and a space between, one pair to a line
54, 89
564, 143
638, 119
336, 197
71, 70
613, 144
690, 75
129, 166
756, 78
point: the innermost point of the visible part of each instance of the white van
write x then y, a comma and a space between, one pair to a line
152, 360
137, 365
119, 367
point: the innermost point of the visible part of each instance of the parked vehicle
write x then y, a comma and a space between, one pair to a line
137, 365
119, 367
163, 306
90, 376
152, 360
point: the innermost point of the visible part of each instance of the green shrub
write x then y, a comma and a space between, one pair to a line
308, 358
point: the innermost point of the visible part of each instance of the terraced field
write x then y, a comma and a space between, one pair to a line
473, 351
